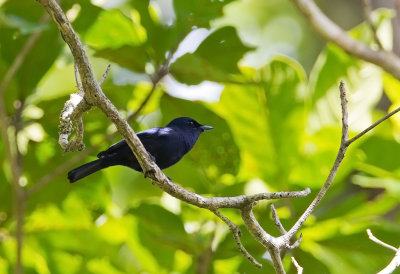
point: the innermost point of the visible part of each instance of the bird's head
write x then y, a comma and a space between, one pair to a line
188, 124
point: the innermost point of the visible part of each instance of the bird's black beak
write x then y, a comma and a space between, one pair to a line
205, 127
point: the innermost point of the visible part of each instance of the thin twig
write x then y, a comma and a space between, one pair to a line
298, 267
373, 125
277, 222
103, 78
236, 233
367, 8
77, 80
395, 263
341, 153
379, 242
296, 243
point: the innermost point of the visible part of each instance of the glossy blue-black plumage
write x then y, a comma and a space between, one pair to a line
167, 145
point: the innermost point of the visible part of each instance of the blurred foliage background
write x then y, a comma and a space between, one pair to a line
258, 74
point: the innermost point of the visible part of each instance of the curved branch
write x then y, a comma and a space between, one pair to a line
395, 263
333, 33
94, 96
298, 267
277, 221
379, 242
367, 9
236, 233
341, 153
79, 157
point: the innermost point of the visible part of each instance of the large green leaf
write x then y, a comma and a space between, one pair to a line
198, 13
162, 232
216, 59
160, 38
113, 30
267, 120
130, 57
381, 152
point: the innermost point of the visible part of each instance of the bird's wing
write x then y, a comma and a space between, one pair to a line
154, 139
150, 138
113, 148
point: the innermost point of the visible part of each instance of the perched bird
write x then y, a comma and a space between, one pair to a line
166, 145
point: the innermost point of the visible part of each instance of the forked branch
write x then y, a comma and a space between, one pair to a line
94, 96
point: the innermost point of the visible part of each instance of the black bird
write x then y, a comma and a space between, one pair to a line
166, 145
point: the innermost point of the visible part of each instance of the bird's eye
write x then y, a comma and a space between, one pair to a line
191, 123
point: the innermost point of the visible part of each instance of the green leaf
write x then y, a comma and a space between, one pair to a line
216, 59
130, 57
129, 187
332, 66
198, 13
162, 232
158, 219
113, 30
381, 152
267, 120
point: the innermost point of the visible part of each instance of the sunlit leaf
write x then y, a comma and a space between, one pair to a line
211, 61
278, 105
113, 30
197, 12
131, 57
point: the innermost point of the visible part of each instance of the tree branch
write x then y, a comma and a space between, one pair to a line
367, 9
277, 222
236, 233
298, 267
395, 261
72, 113
268, 241
341, 153
333, 33
94, 96
49, 177
379, 242
373, 125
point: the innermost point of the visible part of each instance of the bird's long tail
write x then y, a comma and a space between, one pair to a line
89, 168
